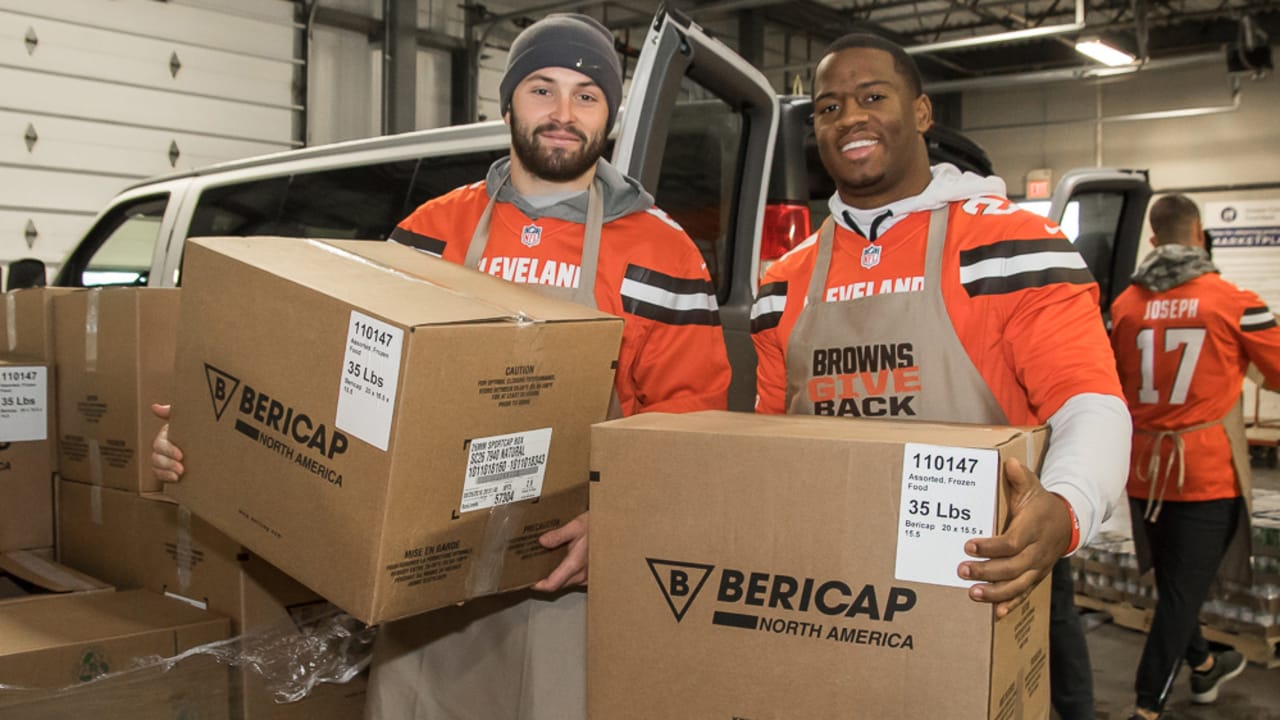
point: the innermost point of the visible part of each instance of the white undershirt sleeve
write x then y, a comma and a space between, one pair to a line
1088, 458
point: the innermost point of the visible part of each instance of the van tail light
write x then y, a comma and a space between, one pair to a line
785, 226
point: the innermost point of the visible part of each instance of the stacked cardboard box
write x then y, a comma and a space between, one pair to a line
110, 654
149, 541
752, 566
28, 450
114, 353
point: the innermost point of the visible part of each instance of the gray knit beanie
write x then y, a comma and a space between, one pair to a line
568, 40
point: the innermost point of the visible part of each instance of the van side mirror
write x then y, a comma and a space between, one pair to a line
25, 273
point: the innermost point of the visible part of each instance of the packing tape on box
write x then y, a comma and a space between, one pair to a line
95, 504
95, 462
518, 316
11, 319
91, 330
485, 574
183, 553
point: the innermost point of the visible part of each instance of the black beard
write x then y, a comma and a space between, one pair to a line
557, 164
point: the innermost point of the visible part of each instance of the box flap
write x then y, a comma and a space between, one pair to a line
47, 575
63, 620
396, 282
825, 428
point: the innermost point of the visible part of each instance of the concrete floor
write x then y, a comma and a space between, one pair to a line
1114, 652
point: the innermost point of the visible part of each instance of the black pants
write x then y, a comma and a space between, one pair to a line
1070, 676
1188, 542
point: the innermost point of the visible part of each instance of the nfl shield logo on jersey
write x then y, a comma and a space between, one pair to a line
531, 235
871, 256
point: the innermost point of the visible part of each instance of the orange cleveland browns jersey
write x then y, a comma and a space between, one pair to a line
650, 274
1031, 328
1182, 356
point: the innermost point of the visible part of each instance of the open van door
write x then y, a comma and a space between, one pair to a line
698, 131
1102, 211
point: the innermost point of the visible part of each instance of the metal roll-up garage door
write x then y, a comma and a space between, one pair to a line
98, 94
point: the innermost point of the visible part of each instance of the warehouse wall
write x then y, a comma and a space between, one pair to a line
1232, 147
101, 94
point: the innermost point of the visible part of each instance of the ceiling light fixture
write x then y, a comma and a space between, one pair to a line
1103, 53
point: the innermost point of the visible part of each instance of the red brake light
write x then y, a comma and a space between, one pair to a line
785, 226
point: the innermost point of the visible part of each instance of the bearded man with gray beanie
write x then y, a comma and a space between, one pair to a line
596, 238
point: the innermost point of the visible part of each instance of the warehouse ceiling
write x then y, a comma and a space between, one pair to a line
1151, 29
975, 39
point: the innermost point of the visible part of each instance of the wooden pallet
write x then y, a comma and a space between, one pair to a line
1253, 646
1122, 613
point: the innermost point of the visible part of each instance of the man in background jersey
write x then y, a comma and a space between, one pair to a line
1183, 338
556, 216
928, 295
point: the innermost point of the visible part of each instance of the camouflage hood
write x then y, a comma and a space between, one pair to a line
1169, 266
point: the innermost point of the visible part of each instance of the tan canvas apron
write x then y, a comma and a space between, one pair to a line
951, 389
517, 656
1158, 470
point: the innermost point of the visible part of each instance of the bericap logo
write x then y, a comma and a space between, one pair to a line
680, 582
221, 387
275, 424
821, 608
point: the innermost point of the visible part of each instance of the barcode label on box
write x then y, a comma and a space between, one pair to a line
505, 468
948, 496
370, 374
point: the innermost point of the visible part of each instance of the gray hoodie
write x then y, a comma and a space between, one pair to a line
622, 195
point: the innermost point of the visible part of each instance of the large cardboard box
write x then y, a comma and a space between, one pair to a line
150, 541
54, 647
799, 567
97, 532
114, 350
26, 455
392, 430
26, 322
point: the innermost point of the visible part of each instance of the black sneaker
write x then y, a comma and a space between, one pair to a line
1204, 685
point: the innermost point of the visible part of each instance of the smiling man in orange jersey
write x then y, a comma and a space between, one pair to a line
1183, 338
558, 217
928, 295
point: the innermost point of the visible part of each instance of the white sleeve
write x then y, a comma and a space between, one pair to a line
1088, 458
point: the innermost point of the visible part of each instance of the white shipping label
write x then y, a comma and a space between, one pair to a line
24, 403
505, 469
370, 374
948, 496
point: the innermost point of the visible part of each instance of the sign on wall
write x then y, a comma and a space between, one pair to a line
1243, 223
